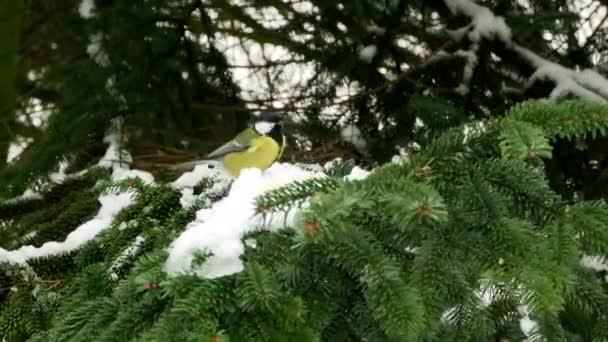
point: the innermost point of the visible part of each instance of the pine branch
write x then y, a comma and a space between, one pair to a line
567, 119
524, 141
294, 194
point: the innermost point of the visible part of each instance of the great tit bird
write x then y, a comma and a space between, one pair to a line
258, 146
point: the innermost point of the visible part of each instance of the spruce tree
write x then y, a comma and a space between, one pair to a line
444, 178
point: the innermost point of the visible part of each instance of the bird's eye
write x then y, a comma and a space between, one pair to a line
211, 166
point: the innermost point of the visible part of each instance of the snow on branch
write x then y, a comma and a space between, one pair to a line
586, 84
111, 204
484, 23
86, 9
218, 231
368, 53
471, 59
125, 257
29, 194
596, 263
210, 169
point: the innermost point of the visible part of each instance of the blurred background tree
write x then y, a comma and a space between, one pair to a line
185, 76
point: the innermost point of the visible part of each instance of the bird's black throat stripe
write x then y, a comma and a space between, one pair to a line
277, 135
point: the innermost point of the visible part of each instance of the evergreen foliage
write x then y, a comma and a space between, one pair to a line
489, 224
449, 246
295, 193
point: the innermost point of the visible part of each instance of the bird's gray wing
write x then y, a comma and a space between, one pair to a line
218, 153
229, 147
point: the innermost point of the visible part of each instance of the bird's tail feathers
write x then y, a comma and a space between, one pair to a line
188, 165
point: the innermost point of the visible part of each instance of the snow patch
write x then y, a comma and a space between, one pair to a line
219, 229
126, 256
29, 235
114, 157
447, 316
528, 326
402, 157
111, 204
119, 160
593, 80
331, 163
486, 294
28, 194
472, 131
368, 53
484, 23
87, 8
471, 59
121, 173
567, 81
595, 263
60, 176
352, 134
357, 173
95, 50
207, 169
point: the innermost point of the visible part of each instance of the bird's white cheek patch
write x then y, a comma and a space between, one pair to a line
264, 127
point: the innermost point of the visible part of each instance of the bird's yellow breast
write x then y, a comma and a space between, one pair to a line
262, 153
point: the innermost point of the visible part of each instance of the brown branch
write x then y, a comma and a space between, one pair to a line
267, 64
52, 283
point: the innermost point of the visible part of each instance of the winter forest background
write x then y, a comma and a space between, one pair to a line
445, 176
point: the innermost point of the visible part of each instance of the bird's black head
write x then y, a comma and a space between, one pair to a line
275, 117
268, 123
